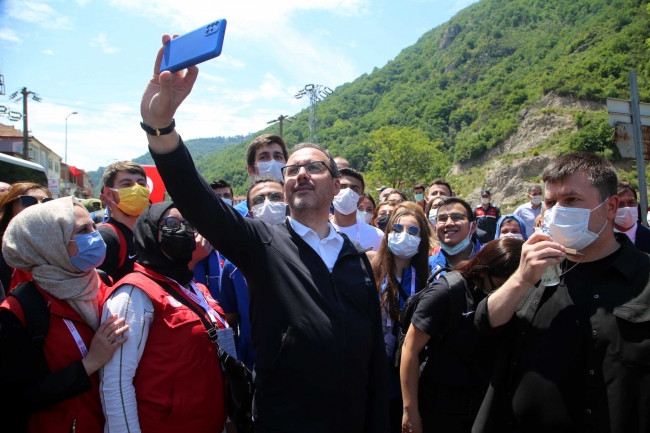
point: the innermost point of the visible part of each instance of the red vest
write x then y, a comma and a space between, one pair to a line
178, 383
84, 411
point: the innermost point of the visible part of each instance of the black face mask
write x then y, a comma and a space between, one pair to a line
178, 245
382, 222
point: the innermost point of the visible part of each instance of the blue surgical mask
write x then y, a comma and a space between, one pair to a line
92, 251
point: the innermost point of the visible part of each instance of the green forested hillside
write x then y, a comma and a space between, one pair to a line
460, 90
198, 147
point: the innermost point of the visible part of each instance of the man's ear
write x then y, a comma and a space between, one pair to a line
472, 227
337, 186
611, 206
251, 170
109, 197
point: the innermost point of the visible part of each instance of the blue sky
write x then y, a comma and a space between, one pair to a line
95, 57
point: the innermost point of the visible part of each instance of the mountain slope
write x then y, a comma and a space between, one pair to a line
470, 83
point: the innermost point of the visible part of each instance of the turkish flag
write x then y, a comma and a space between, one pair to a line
155, 183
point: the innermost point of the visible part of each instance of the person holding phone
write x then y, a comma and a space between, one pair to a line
315, 316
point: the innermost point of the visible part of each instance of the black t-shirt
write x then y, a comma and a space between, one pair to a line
462, 358
112, 260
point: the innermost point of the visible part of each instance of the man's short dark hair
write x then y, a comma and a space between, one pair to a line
331, 164
600, 172
624, 185
451, 200
108, 179
534, 187
265, 178
262, 141
220, 183
442, 182
419, 185
351, 172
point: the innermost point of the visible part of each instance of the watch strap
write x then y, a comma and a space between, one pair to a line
158, 132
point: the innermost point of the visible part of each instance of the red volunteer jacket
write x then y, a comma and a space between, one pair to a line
179, 384
83, 412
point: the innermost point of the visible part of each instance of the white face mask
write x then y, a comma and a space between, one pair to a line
512, 235
346, 201
403, 245
569, 226
485, 200
228, 201
272, 168
364, 217
626, 216
433, 215
536, 199
271, 212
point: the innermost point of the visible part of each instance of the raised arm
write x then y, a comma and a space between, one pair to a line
537, 253
164, 94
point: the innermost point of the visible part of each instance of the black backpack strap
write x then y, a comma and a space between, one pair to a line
37, 318
457, 301
37, 315
435, 273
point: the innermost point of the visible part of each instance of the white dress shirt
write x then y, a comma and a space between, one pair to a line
327, 248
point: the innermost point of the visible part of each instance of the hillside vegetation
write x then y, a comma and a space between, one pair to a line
465, 87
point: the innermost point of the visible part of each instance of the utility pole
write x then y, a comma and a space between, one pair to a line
316, 94
25, 93
280, 119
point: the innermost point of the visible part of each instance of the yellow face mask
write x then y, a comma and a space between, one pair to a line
133, 200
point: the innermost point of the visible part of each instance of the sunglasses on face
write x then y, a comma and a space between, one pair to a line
412, 230
455, 217
313, 167
273, 196
175, 224
28, 200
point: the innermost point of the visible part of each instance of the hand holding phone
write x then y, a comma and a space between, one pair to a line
193, 48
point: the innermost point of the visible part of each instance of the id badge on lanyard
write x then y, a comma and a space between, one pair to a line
225, 336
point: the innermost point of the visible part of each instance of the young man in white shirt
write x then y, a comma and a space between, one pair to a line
346, 203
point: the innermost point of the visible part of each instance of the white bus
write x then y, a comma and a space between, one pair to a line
18, 170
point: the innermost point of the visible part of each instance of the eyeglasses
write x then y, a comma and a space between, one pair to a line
273, 196
354, 188
28, 200
175, 224
412, 230
442, 218
313, 167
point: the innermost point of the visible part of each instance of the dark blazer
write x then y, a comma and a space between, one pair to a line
321, 365
642, 241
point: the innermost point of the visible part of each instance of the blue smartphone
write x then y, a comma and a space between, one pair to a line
194, 47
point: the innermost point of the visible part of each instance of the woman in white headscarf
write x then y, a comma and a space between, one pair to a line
51, 384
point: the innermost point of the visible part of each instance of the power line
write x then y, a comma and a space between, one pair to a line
280, 119
316, 93
25, 93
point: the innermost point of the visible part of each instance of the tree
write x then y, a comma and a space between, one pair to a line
404, 156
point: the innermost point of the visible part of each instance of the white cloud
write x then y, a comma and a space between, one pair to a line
101, 41
9, 35
269, 17
37, 13
48, 52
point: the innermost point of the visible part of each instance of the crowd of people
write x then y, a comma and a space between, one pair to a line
308, 282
